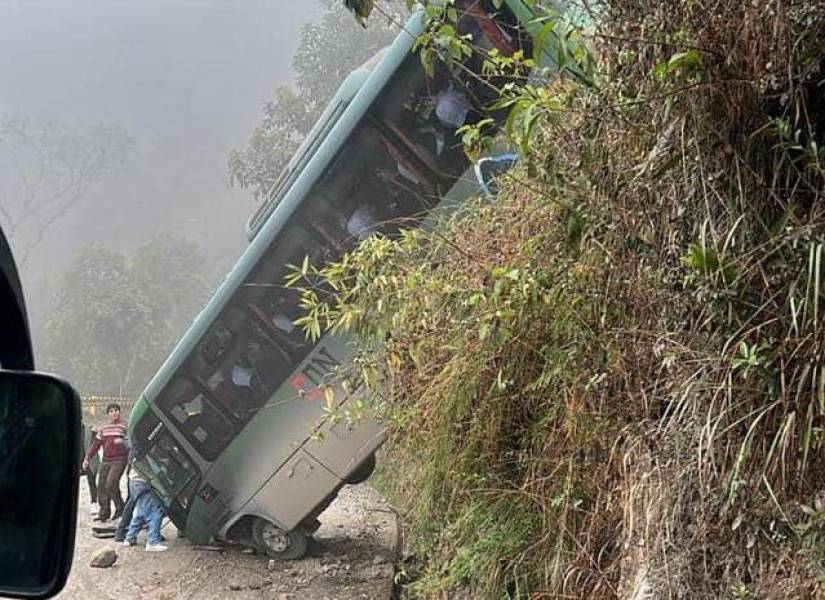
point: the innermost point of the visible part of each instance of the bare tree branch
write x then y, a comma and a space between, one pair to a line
46, 167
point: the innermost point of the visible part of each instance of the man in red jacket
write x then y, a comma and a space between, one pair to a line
112, 438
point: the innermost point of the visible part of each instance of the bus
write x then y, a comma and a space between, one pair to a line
233, 431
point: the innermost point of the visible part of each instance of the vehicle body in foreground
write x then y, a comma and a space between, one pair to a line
40, 437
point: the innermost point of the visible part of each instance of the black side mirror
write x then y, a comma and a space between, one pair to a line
40, 453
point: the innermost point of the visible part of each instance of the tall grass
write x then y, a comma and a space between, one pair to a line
610, 383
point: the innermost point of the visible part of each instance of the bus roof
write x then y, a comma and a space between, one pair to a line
287, 203
138, 410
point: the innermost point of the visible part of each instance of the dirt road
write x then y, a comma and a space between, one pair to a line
351, 557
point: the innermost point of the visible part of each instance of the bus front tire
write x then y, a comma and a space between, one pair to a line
277, 543
362, 472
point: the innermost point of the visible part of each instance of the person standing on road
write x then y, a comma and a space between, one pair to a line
138, 485
149, 512
112, 438
94, 466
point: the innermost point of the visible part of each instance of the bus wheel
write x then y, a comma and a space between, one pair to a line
277, 543
363, 471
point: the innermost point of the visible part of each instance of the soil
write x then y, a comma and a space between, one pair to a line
352, 556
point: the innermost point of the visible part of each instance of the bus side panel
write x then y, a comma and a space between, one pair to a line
344, 445
295, 489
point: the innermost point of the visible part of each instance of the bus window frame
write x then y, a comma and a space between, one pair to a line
203, 390
195, 473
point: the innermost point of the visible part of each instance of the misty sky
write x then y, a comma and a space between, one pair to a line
186, 80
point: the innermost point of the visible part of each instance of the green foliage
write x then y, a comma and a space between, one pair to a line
616, 369
682, 64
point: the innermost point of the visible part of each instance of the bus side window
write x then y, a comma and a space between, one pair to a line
390, 194
295, 244
276, 305
193, 413
252, 372
421, 115
216, 343
279, 309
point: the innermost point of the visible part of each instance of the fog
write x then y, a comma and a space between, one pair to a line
185, 79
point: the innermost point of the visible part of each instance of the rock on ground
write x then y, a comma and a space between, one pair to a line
103, 558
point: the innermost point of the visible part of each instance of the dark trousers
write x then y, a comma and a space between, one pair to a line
91, 479
109, 488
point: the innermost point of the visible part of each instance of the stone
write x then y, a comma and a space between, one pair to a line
103, 558
235, 587
379, 560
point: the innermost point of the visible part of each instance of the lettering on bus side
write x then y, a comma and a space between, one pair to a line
307, 383
153, 434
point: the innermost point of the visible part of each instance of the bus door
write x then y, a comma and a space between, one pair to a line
174, 476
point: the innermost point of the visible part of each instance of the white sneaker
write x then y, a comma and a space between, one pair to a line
156, 548
128, 544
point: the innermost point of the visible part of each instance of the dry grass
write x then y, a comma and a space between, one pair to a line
610, 383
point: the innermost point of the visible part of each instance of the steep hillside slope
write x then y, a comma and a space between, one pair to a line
610, 383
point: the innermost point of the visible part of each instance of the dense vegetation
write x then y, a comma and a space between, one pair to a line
610, 382
113, 317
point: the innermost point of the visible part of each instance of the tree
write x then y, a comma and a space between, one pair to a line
328, 51
175, 275
45, 168
114, 317
101, 323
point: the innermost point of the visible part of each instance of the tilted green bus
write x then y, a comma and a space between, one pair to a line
232, 430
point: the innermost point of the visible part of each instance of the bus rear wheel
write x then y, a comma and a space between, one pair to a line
363, 471
277, 543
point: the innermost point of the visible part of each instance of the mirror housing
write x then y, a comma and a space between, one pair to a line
40, 449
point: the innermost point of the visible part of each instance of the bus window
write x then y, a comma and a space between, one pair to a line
217, 342
264, 293
421, 115
251, 372
145, 429
192, 411
393, 192
295, 243
279, 310
171, 470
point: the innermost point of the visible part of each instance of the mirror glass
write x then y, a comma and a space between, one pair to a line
38, 482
